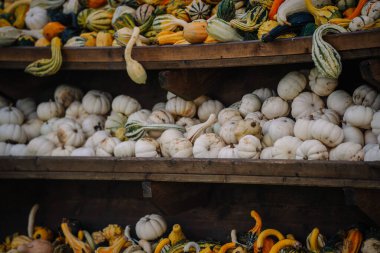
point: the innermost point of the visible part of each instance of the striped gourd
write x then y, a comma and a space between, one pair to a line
253, 20
325, 57
222, 31
124, 20
265, 3
198, 10
99, 20
135, 129
143, 13
76, 41
82, 17
226, 10
167, 22
181, 14
130, 3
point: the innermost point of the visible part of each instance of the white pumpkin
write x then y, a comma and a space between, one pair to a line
5, 148
228, 152
125, 149
140, 116
359, 116
367, 147
228, 114
302, 129
40, 146
97, 102
249, 147
291, 85
18, 150
161, 117
266, 153
92, 123
264, 93
47, 126
96, 138
327, 114
61, 121
375, 123
36, 18
159, 106
232, 131
249, 103
312, 150
76, 112
71, 6
371, 9
329, 134
339, 101
32, 128
370, 137
305, 104
320, 85
53, 137
62, 151
209, 107
180, 107
12, 133
166, 137
180, 148
26, 105
227, 132
353, 134
347, 151
71, 134
48, 110
83, 151
115, 121
373, 154
11, 115
256, 116
286, 147
125, 105
106, 146
187, 122
278, 128
200, 100
275, 107
150, 227
65, 95
147, 147
367, 96
207, 146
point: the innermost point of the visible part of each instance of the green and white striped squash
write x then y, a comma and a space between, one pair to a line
124, 20
76, 41
99, 20
198, 10
222, 31
143, 13
167, 22
82, 17
226, 10
253, 20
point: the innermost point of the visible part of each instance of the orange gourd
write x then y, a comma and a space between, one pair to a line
353, 241
90, 39
94, 4
53, 29
348, 12
104, 39
195, 32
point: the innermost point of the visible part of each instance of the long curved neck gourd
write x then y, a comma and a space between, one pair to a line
285, 243
114, 248
77, 245
176, 235
227, 246
314, 247
265, 234
195, 131
161, 244
258, 222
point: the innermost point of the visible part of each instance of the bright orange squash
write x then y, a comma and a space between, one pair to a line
52, 29
94, 4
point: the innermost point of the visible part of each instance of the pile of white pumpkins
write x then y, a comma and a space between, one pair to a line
295, 124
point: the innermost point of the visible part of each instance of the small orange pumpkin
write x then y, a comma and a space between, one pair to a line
195, 32
52, 29
96, 3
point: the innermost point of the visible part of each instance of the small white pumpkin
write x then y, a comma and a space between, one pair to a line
275, 107
18, 150
61, 121
71, 134
264, 93
256, 116
339, 101
209, 107
353, 134
92, 123
62, 151
291, 85
26, 105
161, 117
147, 147
249, 147
36, 18
150, 227
48, 110
96, 138
40, 146
140, 115
360, 23
180, 148
249, 103
53, 137
232, 131
370, 137
278, 128
166, 137
76, 112
302, 129
266, 153
375, 123
32, 128
367, 96
47, 126
125, 105
115, 121
97, 102
327, 114
5, 149
228, 152
312, 150
328, 133
65, 95
305, 104
373, 154
180, 107
228, 114
125, 149
83, 151
320, 85
106, 146
187, 122
12, 133
207, 146
367, 147
347, 151
286, 147
359, 116
371, 9
159, 106
11, 115
200, 100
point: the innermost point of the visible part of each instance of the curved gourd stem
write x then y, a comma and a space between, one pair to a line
31, 220
258, 222
77, 245
233, 236
131, 43
195, 131
164, 242
265, 234
227, 246
192, 245
284, 243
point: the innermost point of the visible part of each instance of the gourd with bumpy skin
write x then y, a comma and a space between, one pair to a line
291, 85
207, 146
286, 147
359, 116
322, 86
11, 115
147, 147
151, 227
248, 147
249, 103
228, 152
97, 102
339, 101
312, 150
367, 96
180, 148
329, 134
209, 107
76, 112
48, 110
36, 18
347, 151
264, 93
353, 134
275, 107
305, 104
40, 146
180, 107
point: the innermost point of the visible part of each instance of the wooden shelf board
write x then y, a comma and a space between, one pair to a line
355, 45
237, 171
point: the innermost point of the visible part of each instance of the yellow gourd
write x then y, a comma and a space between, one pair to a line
176, 235
169, 37
210, 40
43, 233
104, 39
20, 14
90, 39
195, 32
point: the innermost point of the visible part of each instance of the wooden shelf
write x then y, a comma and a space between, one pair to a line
236, 171
356, 45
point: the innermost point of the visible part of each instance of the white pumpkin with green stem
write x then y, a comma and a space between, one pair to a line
180, 148
12, 133
76, 112
32, 128
291, 85
328, 133
180, 107
208, 146
125, 105
305, 104
320, 85
97, 102
125, 149
312, 150
40, 146
209, 107
92, 123
147, 147
11, 115
166, 137
275, 107
150, 227
249, 147
347, 151
359, 116
66, 94
249, 103
26, 105
48, 110
353, 134
339, 101
264, 93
